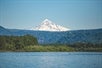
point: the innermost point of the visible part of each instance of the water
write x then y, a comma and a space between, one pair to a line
51, 60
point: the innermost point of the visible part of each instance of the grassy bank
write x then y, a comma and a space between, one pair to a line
60, 48
49, 48
53, 48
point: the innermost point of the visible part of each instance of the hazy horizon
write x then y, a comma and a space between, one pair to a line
75, 15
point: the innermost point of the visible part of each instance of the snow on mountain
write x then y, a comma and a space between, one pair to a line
47, 25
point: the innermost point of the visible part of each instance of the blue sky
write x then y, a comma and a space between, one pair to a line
73, 14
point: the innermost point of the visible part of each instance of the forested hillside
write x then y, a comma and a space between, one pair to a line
93, 36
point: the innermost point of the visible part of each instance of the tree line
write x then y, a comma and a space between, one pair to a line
30, 43
16, 42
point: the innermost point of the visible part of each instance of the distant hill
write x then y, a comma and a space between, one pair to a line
64, 37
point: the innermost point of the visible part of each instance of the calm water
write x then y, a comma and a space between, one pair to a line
51, 60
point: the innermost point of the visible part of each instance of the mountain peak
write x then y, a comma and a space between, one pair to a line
46, 21
48, 25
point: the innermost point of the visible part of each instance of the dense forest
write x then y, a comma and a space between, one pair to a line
30, 43
16, 42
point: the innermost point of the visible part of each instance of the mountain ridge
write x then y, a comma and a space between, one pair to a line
65, 37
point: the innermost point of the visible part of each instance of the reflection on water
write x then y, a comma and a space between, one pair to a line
50, 60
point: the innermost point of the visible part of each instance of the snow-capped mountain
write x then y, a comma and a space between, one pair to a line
48, 25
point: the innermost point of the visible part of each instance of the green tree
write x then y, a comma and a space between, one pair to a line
2, 42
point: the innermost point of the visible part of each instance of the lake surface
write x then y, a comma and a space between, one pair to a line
50, 59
